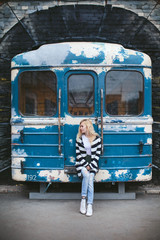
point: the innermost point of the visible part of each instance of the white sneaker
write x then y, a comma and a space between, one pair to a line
83, 206
89, 210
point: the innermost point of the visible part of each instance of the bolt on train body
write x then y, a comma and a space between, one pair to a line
58, 85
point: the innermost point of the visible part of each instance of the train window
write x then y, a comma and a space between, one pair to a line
124, 93
80, 94
38, 93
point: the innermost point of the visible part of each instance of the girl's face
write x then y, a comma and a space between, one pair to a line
83, 128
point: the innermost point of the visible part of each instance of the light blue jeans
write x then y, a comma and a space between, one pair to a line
87, 185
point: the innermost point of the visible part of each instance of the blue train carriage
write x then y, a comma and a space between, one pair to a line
58, 85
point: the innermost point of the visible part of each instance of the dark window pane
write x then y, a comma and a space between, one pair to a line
38, 93
30, 105
50, 107
81, 94
124, 93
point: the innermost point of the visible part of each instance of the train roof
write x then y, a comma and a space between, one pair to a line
78, 53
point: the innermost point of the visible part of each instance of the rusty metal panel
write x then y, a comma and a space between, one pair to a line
127, 139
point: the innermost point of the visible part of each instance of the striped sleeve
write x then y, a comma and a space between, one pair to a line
96, 152
80, 157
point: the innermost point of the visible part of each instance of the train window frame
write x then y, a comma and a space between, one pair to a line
19, 84
81, 72
143, 100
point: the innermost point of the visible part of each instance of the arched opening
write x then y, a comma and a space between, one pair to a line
75, 23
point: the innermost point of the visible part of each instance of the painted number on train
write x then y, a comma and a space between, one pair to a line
31, 177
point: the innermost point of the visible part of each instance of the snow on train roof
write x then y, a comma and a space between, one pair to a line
76, 53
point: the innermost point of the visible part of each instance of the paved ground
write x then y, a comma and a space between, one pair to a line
24, 219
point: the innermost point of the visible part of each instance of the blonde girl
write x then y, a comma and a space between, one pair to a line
88, 150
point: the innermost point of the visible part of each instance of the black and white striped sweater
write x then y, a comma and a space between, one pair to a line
81, 154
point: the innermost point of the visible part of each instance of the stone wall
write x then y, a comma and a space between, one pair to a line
24, 25
149, 9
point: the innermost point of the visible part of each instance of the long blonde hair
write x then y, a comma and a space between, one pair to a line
89, 127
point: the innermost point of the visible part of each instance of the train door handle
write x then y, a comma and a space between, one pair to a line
102, 119
141, 144
59, 122
22, 136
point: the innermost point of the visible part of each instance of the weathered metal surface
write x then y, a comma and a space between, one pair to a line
127, 154
80, 54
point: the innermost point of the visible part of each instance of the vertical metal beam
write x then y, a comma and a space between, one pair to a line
102, 118
59, 122
42, 187
121, 188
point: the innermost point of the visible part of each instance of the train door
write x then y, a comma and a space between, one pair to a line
81, 101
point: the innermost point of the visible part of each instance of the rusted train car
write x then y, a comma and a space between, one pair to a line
56, 86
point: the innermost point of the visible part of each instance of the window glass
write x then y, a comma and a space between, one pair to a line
124, 93
81, 94
38, 93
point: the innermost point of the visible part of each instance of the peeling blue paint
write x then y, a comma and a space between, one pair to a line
115, 121
17, 120
82, 59
127, 154
144, 174
80, 53
129, 57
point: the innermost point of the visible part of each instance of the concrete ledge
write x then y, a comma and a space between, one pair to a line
12, 188
153, 191
24, 188
149, 189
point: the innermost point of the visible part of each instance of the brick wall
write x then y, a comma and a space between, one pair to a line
134, 24
148, 9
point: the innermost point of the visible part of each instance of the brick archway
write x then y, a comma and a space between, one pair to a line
81, 23
77, 23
